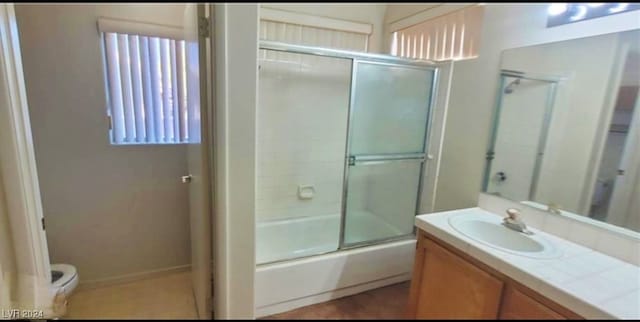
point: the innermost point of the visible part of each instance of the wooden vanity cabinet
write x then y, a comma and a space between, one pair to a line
518, 306
448, 284
451, 287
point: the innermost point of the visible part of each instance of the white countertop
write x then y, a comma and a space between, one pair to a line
589, 283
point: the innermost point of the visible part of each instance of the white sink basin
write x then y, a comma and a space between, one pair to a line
488, 230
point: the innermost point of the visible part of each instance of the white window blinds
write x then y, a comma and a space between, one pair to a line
311, 30
455, 35
310, 36
146, 84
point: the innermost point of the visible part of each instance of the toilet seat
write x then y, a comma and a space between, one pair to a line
69, 279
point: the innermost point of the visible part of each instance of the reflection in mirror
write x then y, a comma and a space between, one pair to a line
566, 131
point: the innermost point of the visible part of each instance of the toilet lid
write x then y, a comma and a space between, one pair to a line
68, 273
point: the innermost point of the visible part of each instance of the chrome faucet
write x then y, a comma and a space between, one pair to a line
512, 221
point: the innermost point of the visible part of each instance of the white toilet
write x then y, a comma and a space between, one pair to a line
64, 278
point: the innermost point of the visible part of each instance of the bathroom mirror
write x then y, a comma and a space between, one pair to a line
566, 128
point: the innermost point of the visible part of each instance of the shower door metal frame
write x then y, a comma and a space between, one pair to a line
338, 53
355, 58
351, 160
552, 81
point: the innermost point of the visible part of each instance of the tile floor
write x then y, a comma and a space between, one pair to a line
166, 297
387, 303
170, 297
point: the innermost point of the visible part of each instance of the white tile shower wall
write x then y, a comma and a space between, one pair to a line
607, 240
302, 122
301, 129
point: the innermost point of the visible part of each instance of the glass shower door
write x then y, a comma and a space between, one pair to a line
390, 107
301, 129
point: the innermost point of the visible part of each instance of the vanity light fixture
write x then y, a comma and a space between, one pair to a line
561, 13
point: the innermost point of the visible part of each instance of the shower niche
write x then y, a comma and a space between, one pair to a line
353, 129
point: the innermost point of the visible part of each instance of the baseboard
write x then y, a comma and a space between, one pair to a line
92, 284
327, 296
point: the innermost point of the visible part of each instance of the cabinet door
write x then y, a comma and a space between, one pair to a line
449, 287
519, 306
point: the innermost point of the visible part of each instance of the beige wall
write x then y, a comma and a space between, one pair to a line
372, 13
110, 210
475, 85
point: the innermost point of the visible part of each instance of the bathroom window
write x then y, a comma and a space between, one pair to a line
145, 73
452, 36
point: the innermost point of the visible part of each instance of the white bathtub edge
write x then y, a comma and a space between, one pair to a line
328, 296
281, 287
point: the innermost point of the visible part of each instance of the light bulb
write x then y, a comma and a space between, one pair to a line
581, 12
619, 7
557, 8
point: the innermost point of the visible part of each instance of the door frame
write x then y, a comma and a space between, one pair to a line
199, 157
600, 137
623, 187
18, 171
235, 38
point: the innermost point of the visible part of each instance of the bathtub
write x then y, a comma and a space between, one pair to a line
288, 284
294, 238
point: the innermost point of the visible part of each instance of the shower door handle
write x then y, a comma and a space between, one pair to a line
384, 158
186, 179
